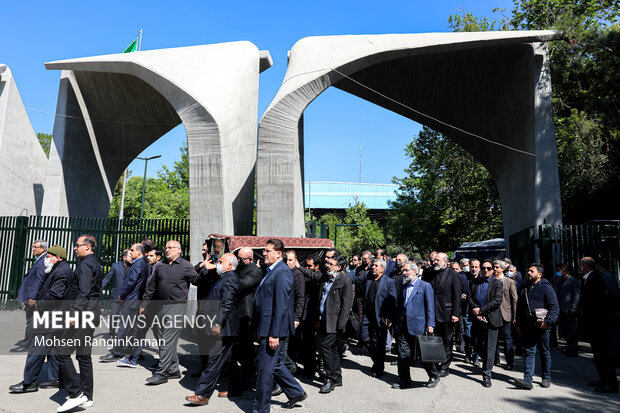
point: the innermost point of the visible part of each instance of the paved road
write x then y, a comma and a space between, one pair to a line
119, 389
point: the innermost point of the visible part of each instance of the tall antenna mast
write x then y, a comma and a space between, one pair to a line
360, 181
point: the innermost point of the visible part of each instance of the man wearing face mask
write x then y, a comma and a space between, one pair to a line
243, 353
415, 316
226, 325
51, 295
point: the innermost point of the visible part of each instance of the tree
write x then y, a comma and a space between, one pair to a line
586, 95
354, 239
45, 139
446, 197
166, 196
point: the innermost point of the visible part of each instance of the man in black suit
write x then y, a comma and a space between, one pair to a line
115, 278
274, 313
485, 301
446, 284
225, 292
309, 317
600, 302
29, 290
50, 298
243, 352
379, 312
85, 290
336, 299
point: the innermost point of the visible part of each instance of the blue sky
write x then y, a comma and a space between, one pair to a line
38, 31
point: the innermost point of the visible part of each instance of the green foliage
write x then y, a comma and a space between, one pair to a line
446, 198
45, 139
353, 239
166, 196
586, 95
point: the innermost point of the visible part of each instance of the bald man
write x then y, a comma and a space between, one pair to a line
243, 353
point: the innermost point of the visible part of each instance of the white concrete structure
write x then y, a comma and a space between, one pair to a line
489, 91
113, 107
23, 163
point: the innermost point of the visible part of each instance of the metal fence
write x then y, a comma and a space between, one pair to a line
567, 244
18, 233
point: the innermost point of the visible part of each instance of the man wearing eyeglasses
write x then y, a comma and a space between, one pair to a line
485, 301
274, 310
29, 290
169, 285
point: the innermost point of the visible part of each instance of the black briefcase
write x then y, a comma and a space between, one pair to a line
430, 349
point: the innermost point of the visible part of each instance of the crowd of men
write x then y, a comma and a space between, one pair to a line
304, 311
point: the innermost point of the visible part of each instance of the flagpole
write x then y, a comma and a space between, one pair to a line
140, 41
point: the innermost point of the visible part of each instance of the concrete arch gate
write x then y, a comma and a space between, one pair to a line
494, 85
110, 108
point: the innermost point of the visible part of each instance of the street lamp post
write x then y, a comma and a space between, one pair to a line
146, 162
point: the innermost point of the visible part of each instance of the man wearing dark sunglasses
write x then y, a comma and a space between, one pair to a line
485, 301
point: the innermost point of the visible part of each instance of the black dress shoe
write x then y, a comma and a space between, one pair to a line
377, 374
50, 384
432, 382
292, 402
486, 381
109, 358
524, 384
157, 379
20, 388
327, 387
20, 349
444, 373
175, 375
509, 367
402, 385
277, 390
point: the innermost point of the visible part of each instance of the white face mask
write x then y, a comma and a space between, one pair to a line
219, 269
331, 273
510, 274
48, 265
466, 268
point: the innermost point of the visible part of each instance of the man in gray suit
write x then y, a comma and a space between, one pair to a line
115, 278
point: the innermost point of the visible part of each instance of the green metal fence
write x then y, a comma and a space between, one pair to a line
567, 244
18, 233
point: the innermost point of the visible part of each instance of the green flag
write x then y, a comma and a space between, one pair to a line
132, 47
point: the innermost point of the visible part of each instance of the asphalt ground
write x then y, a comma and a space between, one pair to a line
119, 389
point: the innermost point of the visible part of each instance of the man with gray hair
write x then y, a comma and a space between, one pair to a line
447, 287
29, 290
226, 325
170, 284
379, 312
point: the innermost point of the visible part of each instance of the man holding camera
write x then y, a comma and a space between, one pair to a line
537, 310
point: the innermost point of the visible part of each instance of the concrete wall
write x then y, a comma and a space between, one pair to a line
117, 105
22, 161
494, 85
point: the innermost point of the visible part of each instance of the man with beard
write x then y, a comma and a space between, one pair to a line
55, 289
87, 287
536, 299
448, 290
226, 326
115, 278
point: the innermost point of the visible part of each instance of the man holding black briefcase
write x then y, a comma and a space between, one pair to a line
415, 316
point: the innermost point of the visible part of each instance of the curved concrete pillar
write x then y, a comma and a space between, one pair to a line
110, 108
23, 163
492, 84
